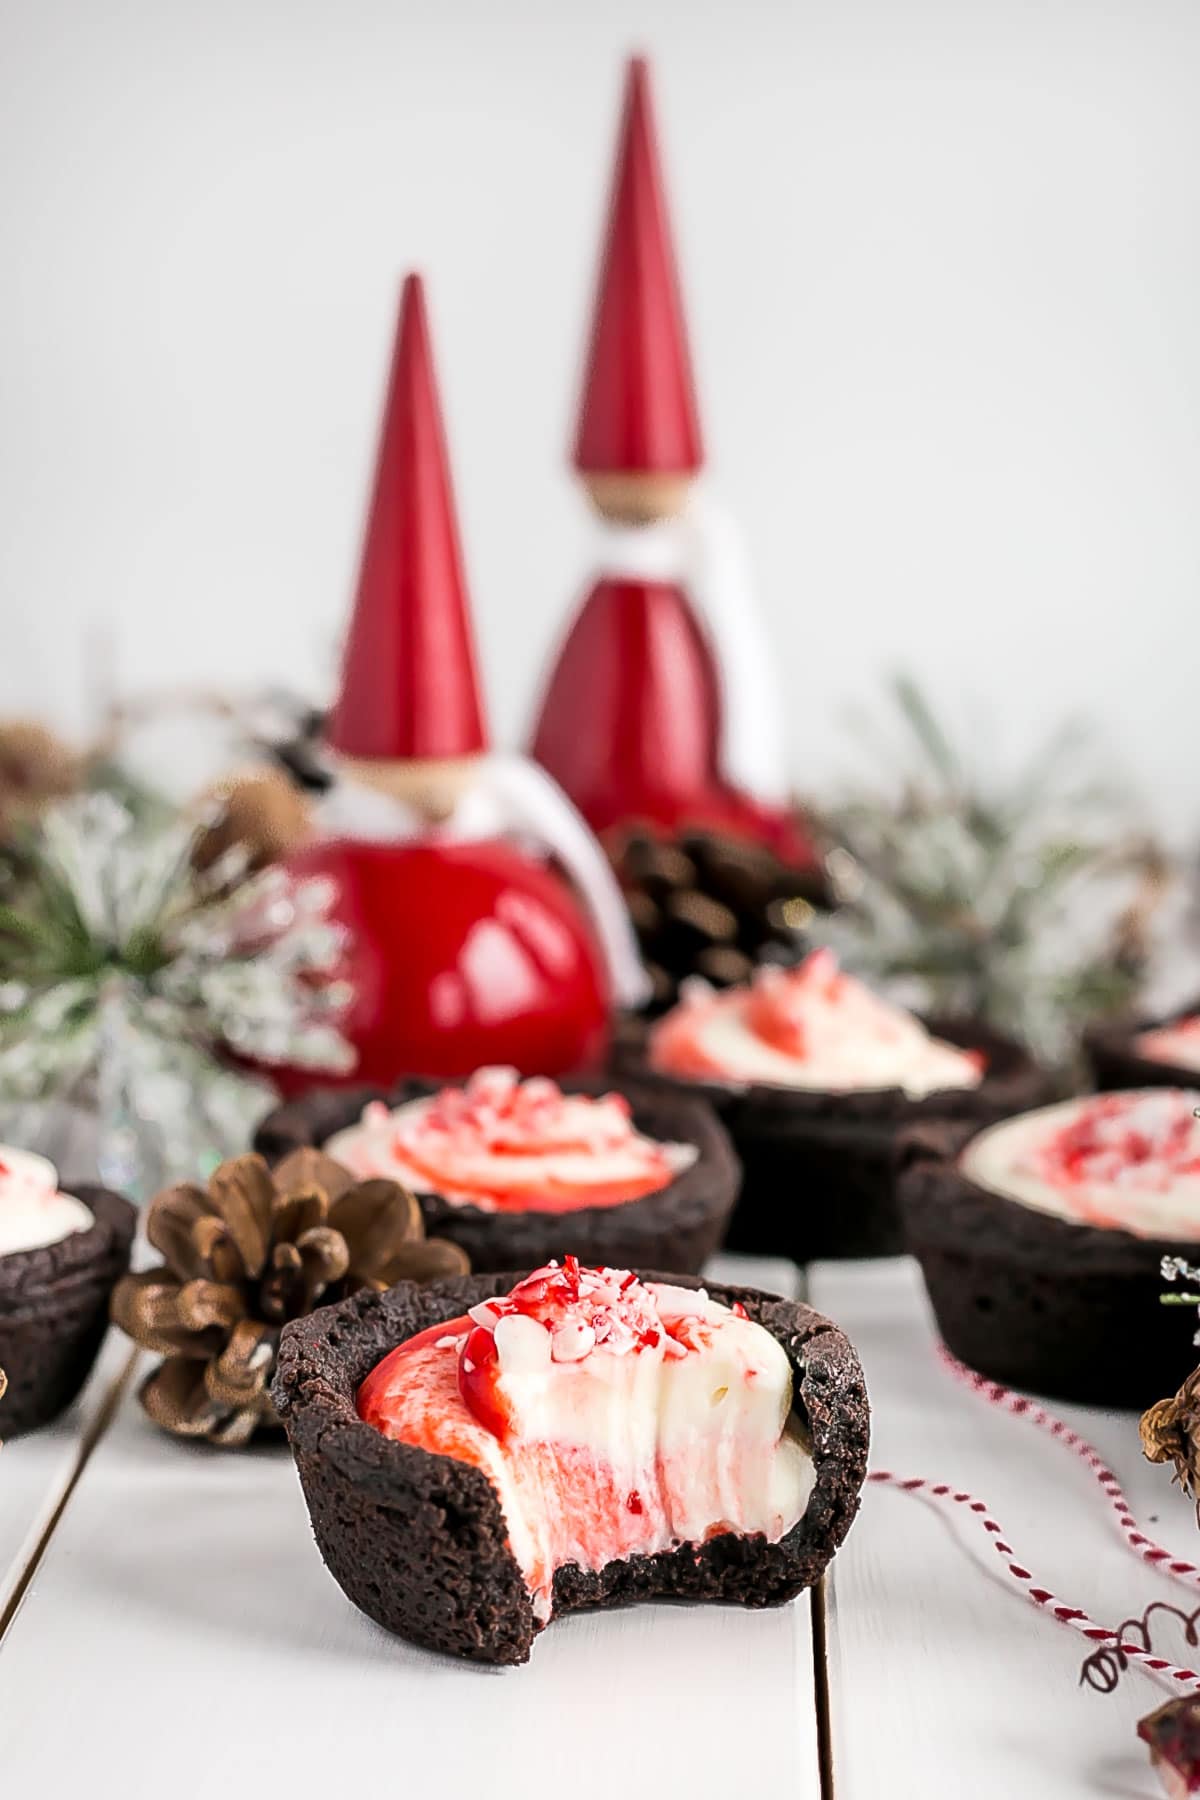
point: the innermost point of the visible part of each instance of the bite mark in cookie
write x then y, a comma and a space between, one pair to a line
614, 1418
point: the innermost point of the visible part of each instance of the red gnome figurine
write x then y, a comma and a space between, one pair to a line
660, 710
468, 948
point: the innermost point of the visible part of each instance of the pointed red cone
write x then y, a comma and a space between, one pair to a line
638, 412
409, 685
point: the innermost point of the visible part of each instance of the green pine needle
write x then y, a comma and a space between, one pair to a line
971, 888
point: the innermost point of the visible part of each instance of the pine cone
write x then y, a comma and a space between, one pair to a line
242, 1258
1170, 1432
265, 814
706, 904
35, 768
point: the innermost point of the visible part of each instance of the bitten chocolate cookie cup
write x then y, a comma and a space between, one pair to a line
54, 1311
418, 1541
677, 1228
818, 1177
1035, 1301
1116, 1062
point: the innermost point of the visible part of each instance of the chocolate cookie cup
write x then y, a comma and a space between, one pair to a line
1068, 1310
418, 1541
1116, 1061
54, 1311
679, 1227
818, 1168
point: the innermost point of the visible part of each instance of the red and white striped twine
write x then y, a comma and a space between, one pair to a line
1150, 1552
1074, 1616
1022, 1408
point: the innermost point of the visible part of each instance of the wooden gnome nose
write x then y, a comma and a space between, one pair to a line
431, 785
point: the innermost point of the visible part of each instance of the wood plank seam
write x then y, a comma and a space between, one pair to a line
821, 1691
90, 1437
818, 1635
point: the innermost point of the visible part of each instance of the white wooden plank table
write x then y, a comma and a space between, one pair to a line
37, 1471
183, 1612
182, 1622
943, 1678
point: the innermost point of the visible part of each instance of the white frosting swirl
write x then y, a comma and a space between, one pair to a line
1125, 1161
33, 1213
809, 1027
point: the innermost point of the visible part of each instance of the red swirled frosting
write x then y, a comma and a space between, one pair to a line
507, 1145
809, 1027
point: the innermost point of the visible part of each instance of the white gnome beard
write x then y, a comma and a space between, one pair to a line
704, 554
507, 796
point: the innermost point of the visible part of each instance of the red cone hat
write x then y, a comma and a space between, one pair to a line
638, 413
409, 685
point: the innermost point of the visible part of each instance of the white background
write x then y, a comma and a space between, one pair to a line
942, 263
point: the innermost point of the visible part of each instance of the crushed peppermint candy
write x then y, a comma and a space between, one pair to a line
564, 1313
1146, 1140
503, 1144
506, 1115
807, 1026
581, 1310
782, 1002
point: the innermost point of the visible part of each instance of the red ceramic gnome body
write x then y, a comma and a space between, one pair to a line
644, 757
636, 759
464, 951
637, 664
464, 954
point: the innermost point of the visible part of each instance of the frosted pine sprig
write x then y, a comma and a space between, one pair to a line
1028, 902
1172, 1268
119, 961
